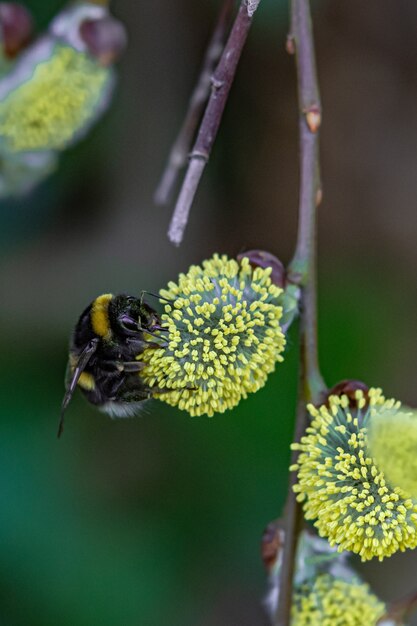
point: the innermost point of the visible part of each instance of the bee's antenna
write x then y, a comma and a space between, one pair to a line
154, 295
83, 359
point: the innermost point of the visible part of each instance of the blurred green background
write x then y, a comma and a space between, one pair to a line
157, 520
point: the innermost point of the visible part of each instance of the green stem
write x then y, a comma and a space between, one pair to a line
314, 386
292, 522
302, 270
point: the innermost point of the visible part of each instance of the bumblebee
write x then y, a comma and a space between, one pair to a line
109, 337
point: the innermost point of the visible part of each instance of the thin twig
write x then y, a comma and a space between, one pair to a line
302, 271
221, 84
400, 610
181, 147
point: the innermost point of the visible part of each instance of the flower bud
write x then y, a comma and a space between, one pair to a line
261, 258
349, 388
105, 38
290, 298
16, 26
271, 545
65, 27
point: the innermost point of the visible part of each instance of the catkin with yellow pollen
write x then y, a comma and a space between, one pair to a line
392, 441
59, 99
223, 336
328, 601
343, 488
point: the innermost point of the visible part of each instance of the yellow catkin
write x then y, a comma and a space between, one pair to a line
224, 336
343, 489
392, 441
330, 601
46, 111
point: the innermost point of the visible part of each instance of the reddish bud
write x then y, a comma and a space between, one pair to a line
260, 258
313, 118
349, 388
290, 44
272, 544
105, 38
16, 27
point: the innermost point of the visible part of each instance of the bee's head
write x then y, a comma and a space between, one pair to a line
129, 315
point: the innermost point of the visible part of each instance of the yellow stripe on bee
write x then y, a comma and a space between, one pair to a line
100, 317
86, 381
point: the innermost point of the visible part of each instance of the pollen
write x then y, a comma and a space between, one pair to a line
59, 99
221, 336
329, 601
342, 487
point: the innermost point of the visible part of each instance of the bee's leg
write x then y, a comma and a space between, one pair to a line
130, 367
153, 390
135, 394
168, 390
71, 383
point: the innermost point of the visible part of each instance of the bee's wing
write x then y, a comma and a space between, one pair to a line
71, 381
